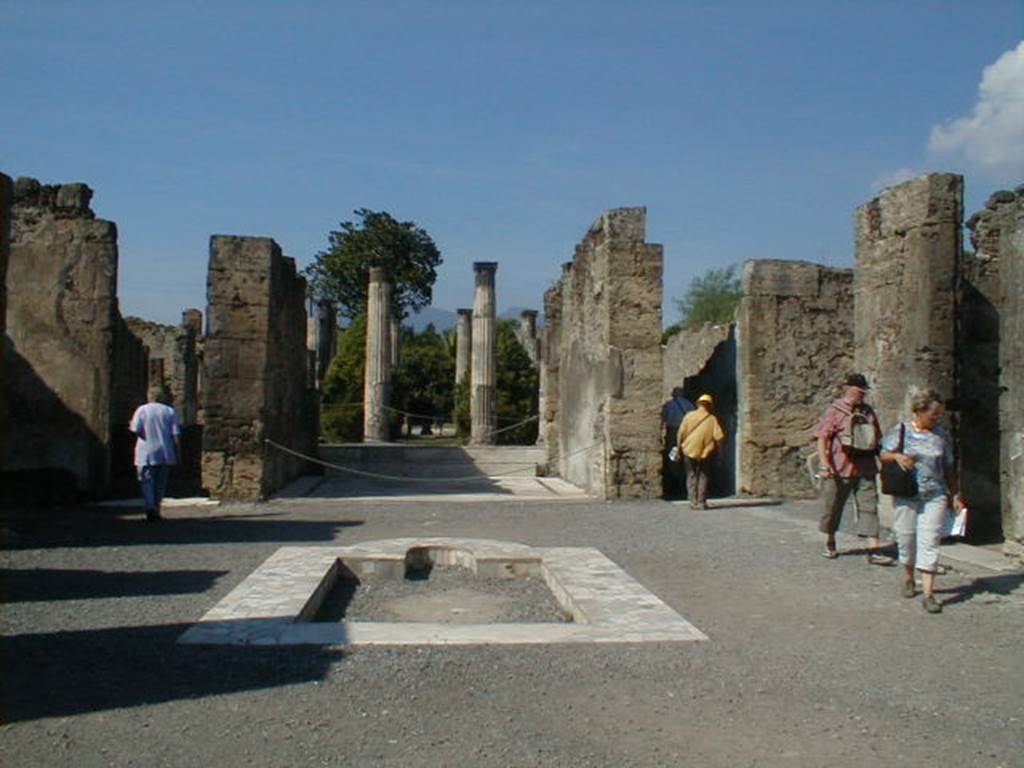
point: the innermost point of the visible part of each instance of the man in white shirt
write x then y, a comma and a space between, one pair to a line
156, 449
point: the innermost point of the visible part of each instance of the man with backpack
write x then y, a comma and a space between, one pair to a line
849, 437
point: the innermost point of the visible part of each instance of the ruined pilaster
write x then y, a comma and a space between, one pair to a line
794, 329
463, 345
483, 403
254, 376
994, 283
908, 244
607, 384
526, 333
376, 392
549, 377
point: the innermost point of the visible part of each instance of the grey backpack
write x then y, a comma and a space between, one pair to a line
858, 435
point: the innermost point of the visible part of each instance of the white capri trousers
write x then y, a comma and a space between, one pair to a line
919, 524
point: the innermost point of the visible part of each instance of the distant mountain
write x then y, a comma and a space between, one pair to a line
442, 319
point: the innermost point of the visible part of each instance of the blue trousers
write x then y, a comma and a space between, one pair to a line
153, 479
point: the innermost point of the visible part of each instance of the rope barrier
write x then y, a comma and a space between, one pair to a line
398, 478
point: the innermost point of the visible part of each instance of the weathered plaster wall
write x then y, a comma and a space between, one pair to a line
254, 370
60, 341
908, 242
998, 239
608, 392
795, 343
6, 200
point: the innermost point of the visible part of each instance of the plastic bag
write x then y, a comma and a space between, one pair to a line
956, 524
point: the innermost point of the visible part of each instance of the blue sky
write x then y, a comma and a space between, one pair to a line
748, 129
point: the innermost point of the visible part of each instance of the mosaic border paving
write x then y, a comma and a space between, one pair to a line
275, 604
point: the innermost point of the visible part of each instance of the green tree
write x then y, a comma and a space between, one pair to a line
711, 298
423, 382
342, 272
518, 383
341, 412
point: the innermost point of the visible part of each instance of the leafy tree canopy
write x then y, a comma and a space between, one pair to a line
711, 298
342, 272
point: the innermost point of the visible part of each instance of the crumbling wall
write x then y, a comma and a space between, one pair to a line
908, 243
128, 393
609, 375
60, 340
6, 199
997, 273
547, 433
795, 342
703, 360
254, 361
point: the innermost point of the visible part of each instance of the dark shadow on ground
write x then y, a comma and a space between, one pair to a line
1002, 585
24, 585
72, 526
58, 674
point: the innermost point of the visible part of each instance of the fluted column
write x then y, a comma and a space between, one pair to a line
463, 345
483, 403
376, 391
393, 338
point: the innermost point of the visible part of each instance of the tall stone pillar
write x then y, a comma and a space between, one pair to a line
463, 345
527, 334
908, 245
483, 402
394, 331
376, 392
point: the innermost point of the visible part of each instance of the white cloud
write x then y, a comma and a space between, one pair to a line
991, 139
892, 178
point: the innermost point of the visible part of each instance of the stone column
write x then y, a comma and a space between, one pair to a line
483, 403
376, 392
393, 337
463, 345
528, 334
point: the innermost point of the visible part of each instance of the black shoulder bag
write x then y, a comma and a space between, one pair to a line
897, 481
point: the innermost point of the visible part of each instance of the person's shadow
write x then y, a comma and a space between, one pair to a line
1004, 585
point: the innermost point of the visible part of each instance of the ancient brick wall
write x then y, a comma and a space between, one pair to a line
128, 393
609, 375
60, 343
6, 195
996, 272
908, 243
794, 330
254, 370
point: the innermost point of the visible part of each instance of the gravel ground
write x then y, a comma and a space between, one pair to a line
810, 662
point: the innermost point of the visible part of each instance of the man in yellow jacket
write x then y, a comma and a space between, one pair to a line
700, 435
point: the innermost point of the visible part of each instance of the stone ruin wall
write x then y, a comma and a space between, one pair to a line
795, 343
254, 370
61, 333
6, 195
908, 242
602, 394
996, 271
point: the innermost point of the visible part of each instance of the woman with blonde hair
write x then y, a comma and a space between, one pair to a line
923, 447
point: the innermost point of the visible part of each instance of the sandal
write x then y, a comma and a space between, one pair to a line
876, 558
829, 554
930, 604
909, 589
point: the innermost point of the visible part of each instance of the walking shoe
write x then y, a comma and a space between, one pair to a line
876, 558
931, 605
909, 589
152, 516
